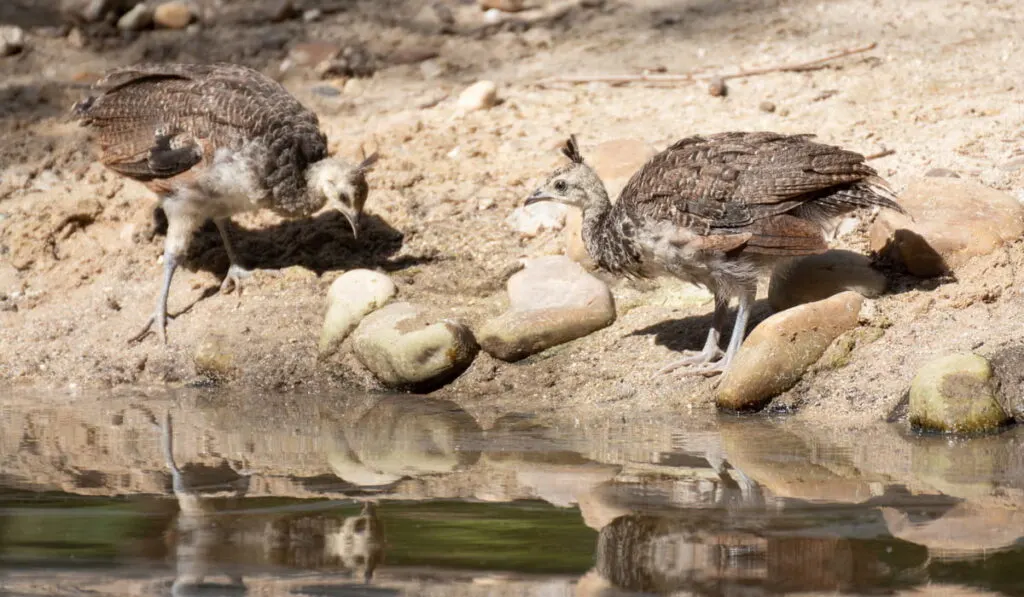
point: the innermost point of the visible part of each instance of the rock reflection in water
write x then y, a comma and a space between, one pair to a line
707, 506
207, 529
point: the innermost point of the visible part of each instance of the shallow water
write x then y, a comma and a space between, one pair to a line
193, 492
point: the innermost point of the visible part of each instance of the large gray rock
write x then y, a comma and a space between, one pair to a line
953, 221
955, 394
353, 296
779, 351
816, 277
407, 346
552, 300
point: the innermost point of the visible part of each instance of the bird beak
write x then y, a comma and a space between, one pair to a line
353, 221
538, 196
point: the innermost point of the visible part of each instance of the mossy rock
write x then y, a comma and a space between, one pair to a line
956, 394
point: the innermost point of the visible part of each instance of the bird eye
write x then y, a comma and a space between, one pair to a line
561, 186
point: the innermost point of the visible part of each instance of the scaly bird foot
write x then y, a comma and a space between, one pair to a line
694, 361
159, 319
233, 279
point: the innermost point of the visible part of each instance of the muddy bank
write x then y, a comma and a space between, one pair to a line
80, 266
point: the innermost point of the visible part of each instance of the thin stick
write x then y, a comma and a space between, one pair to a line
880, 154
696, 75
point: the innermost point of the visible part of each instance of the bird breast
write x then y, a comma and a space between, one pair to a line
231, 184
667, 249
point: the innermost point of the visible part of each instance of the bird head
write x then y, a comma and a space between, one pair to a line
343, 187
574, 184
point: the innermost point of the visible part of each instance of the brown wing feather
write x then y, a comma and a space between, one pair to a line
732, 180
785, 235
199, 108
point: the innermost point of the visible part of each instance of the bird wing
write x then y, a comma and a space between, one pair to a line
157, 122
731, 180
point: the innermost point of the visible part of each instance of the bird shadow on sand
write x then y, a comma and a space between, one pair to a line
690, 333
320, 244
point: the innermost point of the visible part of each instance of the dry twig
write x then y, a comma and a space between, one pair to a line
880, 154
696, 75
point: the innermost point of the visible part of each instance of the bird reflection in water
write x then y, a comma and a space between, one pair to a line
213, 537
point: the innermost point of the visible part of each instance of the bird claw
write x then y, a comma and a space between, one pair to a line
697, 363
233, 279
160, 319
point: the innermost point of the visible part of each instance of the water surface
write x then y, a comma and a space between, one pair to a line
194, 492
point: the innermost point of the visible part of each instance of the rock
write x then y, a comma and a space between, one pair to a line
954, 221
551, 301
503, 5
717, 87
312, 15
93, 11
1008, 365
353, 296
411, 436
136, 19
967, 531
494, 16
214, 357
12, 40
941, 173
478, 96
405, 346
768, 107
778, 351
173, 15
955, 394
615, 161
531, 220
310, 54
816, 277
76, 39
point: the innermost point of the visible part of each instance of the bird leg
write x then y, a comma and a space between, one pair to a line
711, 351
233, 279
160, 316
739, 330
180, 226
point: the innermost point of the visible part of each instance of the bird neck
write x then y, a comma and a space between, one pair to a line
604, 238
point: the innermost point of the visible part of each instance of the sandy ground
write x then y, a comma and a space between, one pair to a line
79, 272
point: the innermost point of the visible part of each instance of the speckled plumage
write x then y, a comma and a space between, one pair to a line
718, 211
205, 108
212, 141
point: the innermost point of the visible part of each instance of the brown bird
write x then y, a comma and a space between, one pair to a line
212, 141
717, 211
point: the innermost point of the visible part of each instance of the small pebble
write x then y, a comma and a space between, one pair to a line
494, 16
76, 39
941, 173
717, 87
766, 107
173, 15
312, 15
325, 90
481, 95
136, 19
503, 5
12, 40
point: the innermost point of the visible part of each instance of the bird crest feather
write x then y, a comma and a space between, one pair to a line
572, 150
